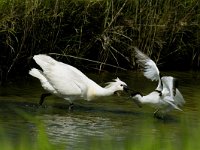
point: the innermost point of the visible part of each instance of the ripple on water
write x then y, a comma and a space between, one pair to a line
74, 129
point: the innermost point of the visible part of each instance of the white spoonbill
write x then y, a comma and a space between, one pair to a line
68, 82
166, 96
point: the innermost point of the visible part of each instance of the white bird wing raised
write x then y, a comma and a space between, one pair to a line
170, 92
169, 88
150, 69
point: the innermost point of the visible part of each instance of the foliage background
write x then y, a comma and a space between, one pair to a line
101, 31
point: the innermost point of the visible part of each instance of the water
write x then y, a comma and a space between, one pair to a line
115, 119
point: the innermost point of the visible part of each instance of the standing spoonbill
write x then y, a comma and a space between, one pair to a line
166, 96
68, 82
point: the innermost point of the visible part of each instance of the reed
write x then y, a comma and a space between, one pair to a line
99, 30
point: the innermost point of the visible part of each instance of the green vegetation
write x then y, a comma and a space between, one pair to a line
99, 30
37, 140
188, 139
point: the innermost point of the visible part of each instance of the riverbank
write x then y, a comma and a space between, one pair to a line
101, 31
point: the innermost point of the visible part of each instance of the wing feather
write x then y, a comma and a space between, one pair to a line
66, 79
168, 100
150, 69
171, 92
168, 86
179, 100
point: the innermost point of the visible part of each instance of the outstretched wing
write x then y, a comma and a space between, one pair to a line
150, 69
178, 99
168, 100
169, 86
171, 93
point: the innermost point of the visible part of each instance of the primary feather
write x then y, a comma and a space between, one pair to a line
149, 67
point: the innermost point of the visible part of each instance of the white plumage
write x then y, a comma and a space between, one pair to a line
166, 96
68, 82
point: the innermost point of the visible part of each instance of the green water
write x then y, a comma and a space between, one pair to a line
116, 120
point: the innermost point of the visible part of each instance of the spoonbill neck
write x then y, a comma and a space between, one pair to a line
103, 91
96, 91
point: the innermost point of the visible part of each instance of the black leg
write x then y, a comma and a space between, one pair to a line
139, 104
158, 115
71, 105
155, 114
43, 97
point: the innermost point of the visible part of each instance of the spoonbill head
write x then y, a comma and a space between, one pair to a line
117, 85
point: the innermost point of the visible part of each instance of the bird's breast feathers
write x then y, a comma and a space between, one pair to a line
91, 93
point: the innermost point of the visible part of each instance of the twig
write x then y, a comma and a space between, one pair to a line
94, 61
117, 14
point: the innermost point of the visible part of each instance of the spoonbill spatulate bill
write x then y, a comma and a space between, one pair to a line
166, 96
68, 82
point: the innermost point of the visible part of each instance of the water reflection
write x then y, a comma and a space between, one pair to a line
76, 127
114, 118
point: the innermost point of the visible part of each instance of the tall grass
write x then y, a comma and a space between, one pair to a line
100, 30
